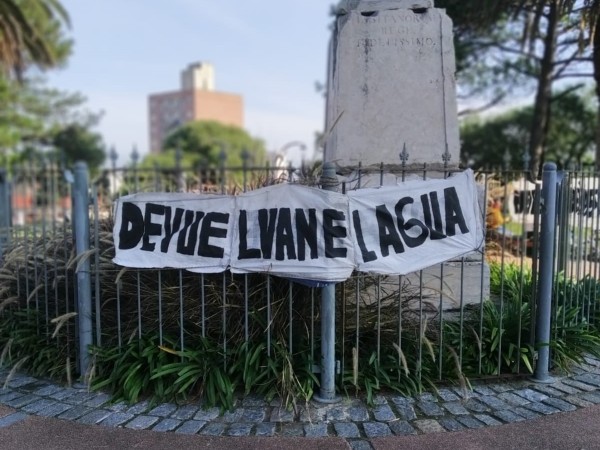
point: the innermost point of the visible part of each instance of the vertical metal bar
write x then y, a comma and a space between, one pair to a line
44, 242
97, 266
181, 326
268, 315
378, 319
139, 302
482, 277
312, 325
224, 319
160, 309
202, 306
82, 240
290, 317
119, 334
329, 182
546, 274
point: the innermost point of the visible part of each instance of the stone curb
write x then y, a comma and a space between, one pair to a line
449, 409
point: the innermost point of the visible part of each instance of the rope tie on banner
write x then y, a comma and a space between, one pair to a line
328, 182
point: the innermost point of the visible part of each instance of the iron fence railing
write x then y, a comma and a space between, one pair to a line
474, 315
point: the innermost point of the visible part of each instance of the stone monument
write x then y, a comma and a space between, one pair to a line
391, 85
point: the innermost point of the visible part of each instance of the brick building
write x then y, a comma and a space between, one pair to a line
195, 100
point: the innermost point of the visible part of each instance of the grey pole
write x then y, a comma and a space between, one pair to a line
546, 275
81, 222
329, 182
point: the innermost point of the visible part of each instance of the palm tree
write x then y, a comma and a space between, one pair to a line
23, 37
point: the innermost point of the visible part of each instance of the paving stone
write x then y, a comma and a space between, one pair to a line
75, 413
488, 420
282, 415
10, 395
346, 429
358, 414
213, 429
508, 416
19, 381
531, 395
265, 429
380, 400
589, 378
206, 415
579, 385
98, 400
163, 410
376, 429
430, 409
19, 402
493, 402
254, 415
12, 418
167, 424
34, 407
79, 398
315, 430
565, 388
542, 408
138, 408
54, 410
239, 429
550, 391
500, 388
402, 401
476, 406
406, 412
513, 399
577, 401
383, 413
402, 428
336, 414
464, 393
469, 422
451, 424
426, 397
292, 429
527, 413
94, 416
560, 404
455, 408
190, 427
142, 422
117, 407
428, 426
447, 395
116, 419
232, 416
591, 397
64, 393
46, 391
484, 390
185, 412
253, 402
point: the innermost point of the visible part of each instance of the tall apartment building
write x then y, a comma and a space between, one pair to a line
195, 100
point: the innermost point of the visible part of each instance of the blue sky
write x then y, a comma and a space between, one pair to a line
271, 52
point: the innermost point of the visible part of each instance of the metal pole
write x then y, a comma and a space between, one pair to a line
328, 182
544, 300
81, 221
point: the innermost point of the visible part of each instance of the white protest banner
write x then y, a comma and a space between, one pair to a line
405, 228
182, 231
293, 231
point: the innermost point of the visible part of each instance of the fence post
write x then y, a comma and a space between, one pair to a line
5, 211
328, 182
546, 275
81, 224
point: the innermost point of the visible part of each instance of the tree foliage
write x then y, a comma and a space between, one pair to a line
32, 34
202, 142
487, 142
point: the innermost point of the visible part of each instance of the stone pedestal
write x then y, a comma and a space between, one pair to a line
391, 86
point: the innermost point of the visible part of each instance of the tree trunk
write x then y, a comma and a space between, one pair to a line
541, 111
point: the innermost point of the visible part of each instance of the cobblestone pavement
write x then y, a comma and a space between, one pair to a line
448, 409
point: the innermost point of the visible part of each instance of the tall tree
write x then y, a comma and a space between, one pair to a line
31, 35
